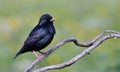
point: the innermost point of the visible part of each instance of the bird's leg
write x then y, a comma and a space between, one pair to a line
39, 57
45, 53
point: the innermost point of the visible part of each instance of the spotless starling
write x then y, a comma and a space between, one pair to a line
40, 37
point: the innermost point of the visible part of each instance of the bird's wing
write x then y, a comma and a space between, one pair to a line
34, 37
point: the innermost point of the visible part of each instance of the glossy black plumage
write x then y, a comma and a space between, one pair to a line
40, 36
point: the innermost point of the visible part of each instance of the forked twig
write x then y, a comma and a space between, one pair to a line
91, 45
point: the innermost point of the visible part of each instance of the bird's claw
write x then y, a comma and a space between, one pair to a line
39, 57
45, 53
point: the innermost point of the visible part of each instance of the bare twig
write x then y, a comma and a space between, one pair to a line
76, 58
93, 44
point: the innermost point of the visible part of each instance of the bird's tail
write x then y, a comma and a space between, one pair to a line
16, 55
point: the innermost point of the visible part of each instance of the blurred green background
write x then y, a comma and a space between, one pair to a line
81, 19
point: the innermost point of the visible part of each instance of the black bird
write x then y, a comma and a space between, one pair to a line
40, 36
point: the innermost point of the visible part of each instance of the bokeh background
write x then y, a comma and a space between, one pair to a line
81, 19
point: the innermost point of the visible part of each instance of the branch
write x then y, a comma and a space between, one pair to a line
92, 45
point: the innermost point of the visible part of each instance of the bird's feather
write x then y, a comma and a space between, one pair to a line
40, 36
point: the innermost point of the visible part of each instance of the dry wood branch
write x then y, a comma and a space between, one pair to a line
92, 45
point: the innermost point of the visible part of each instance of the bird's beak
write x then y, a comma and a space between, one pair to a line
53, 19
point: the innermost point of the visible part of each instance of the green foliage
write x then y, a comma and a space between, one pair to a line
82, 19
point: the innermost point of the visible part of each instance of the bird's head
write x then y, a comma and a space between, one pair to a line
46, 19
